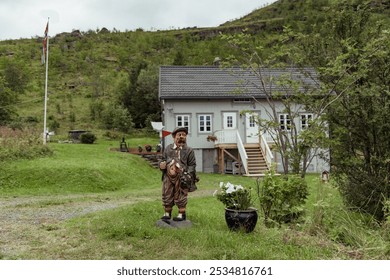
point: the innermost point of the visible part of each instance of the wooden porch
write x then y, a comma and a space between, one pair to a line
231, 164
235, 157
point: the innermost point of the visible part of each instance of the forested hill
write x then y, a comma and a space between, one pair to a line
105, 79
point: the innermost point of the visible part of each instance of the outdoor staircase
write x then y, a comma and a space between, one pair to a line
257, 165
152, 158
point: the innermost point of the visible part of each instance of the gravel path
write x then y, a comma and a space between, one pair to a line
22, 219
35, 209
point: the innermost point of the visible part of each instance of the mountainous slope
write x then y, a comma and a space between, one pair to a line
91, 72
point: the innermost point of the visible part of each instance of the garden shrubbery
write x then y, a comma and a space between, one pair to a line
21, 143
88, 138
282, 198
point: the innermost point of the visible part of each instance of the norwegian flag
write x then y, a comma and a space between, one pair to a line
44, 48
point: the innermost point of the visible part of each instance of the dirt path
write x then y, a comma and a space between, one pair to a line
30, 226
22, 219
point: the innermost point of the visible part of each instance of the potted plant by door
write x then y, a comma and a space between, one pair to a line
239, 211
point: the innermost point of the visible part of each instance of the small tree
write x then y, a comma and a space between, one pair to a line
7, 101
116, 117
16, 77
356, 63
140, 94
287, 96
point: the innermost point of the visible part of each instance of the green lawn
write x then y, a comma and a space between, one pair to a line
129, 232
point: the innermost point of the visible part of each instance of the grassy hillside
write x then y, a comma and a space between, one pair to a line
89, 70
92, 67
302, 14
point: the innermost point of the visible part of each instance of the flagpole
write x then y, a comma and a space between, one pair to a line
46, 80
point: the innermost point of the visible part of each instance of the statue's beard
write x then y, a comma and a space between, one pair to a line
181, 141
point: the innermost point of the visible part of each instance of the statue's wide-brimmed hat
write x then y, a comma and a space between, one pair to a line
178, 129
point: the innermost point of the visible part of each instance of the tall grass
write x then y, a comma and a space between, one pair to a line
330, 231
18, 143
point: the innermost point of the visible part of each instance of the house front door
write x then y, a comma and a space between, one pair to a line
251, 127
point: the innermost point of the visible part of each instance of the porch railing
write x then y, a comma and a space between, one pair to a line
226, 136
233, 137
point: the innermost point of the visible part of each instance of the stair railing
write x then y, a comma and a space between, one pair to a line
242, 151
266, 151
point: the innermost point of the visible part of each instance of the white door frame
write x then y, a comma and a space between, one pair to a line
251, 127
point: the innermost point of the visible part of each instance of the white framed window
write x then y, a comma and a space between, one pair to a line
205, 123
285, 122
229, 120
183, 121
252, 121
305, 120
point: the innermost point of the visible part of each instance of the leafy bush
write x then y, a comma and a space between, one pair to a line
87, 138
115, 117
365, 189
282, 198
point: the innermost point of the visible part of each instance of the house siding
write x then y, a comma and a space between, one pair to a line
198, 140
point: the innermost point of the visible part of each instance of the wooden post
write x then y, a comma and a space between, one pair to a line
221, 158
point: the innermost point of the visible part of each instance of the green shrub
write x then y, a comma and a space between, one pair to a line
366, 189
282, 198
87, 138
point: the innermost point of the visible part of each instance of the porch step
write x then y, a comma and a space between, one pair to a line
257, 165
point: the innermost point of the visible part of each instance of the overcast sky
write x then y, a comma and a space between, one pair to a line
27, 18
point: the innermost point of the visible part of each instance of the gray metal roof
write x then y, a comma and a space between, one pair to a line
188, 82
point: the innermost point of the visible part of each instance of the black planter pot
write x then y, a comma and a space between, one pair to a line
241, 219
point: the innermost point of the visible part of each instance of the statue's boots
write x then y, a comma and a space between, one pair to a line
167, 214
180, 217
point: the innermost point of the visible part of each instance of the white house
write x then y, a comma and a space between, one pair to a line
214, 104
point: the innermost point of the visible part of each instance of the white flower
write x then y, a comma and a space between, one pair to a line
230, 187
233, 196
